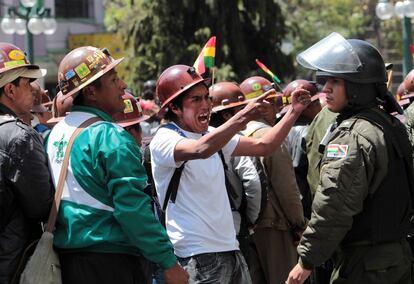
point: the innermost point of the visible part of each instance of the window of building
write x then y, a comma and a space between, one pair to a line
74, 8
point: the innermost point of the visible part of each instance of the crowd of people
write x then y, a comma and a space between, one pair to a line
197, 181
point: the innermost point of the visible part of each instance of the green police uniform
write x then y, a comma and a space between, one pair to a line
317, 130
353, 169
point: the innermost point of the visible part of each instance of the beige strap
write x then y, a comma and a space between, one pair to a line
62, 176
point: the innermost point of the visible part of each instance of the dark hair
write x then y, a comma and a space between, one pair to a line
177, 102
15, 82
79, 98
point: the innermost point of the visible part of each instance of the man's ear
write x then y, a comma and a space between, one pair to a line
90, 93
9, 91
174, 108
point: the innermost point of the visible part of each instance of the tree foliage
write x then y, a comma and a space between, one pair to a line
308, 21
162, 33
311, 20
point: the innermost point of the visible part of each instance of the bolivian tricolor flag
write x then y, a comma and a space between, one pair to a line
206, 57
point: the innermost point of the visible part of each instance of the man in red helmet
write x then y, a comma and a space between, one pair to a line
26, 192
244, 184
198, 216
296, 140
282, 221
105, 231
131, 117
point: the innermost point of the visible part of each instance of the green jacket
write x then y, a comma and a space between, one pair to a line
104, 207
353, 165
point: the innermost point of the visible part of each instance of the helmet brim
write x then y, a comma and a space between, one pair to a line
404, 102
129, 122
206, 81
55, 120
231, 105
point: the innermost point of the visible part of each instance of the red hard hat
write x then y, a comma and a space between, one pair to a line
226, 95
82, 66
12, 57
175, 80
409, 82
307, 85
255, 86
408, 92
402, 96
132, 113
60, 107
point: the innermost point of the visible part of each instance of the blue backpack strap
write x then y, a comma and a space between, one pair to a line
172, 189
175, 128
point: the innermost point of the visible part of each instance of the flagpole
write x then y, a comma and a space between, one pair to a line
212, 76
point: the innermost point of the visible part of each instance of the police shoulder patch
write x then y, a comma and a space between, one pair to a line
336, 151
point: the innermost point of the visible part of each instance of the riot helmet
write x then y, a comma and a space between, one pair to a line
353, 60
358, 63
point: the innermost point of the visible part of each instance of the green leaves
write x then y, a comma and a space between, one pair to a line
162, 33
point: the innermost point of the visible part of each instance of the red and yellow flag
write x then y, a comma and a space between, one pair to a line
206, 57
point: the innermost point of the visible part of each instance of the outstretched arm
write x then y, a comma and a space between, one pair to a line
275, 137
191, 149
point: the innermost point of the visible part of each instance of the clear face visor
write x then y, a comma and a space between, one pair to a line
332, 54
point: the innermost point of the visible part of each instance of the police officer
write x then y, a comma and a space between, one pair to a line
363, 204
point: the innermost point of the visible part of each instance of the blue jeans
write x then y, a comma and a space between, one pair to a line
220, 267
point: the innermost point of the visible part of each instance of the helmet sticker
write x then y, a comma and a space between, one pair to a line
254, 94
256, 87
14, 63
267, 88
128, 106
82, 70
69, 74
95, 60
16, 54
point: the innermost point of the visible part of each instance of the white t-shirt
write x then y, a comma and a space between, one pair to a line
200, 220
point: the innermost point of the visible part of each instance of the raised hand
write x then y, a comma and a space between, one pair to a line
301, 98
257, 107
